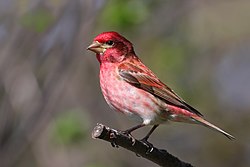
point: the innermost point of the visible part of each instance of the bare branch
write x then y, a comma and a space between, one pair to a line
118, 138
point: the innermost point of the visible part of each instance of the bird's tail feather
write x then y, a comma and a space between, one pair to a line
213, 127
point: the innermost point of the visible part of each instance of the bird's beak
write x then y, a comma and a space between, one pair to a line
96, 47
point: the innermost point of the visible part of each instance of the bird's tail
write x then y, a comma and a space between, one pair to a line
202, 121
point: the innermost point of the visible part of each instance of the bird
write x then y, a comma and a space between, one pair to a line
131, 88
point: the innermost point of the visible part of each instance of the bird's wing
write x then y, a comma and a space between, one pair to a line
141, 77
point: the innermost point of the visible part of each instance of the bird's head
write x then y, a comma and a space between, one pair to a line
111, 47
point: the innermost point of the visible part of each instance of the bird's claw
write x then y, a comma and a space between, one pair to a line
114, 144
133, 140
148, 144
112, 136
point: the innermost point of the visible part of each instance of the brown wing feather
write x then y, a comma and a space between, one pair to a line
146, 80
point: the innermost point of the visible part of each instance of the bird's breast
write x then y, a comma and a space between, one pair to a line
128, 99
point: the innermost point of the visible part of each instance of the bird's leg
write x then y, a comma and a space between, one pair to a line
128, 132
145, 139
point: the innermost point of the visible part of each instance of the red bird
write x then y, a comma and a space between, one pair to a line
133, 89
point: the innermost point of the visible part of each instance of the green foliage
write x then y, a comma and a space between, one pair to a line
38, 20
124, 14
70, 128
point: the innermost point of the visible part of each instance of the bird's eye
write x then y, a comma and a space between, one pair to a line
110, 43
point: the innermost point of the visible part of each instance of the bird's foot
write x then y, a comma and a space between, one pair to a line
148, 144
112, 136
114, 144
127, 133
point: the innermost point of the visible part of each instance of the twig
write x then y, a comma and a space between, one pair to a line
117, 138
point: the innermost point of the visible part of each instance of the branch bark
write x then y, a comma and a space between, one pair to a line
117, 138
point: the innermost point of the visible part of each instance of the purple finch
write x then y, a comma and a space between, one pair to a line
131, 88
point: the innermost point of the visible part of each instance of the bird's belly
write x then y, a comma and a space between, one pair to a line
131, 101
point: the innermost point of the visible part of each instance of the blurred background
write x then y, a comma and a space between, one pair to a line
50, 98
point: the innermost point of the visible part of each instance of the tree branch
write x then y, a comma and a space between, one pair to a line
117, 138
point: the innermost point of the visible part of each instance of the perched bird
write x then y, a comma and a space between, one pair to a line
131, 88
